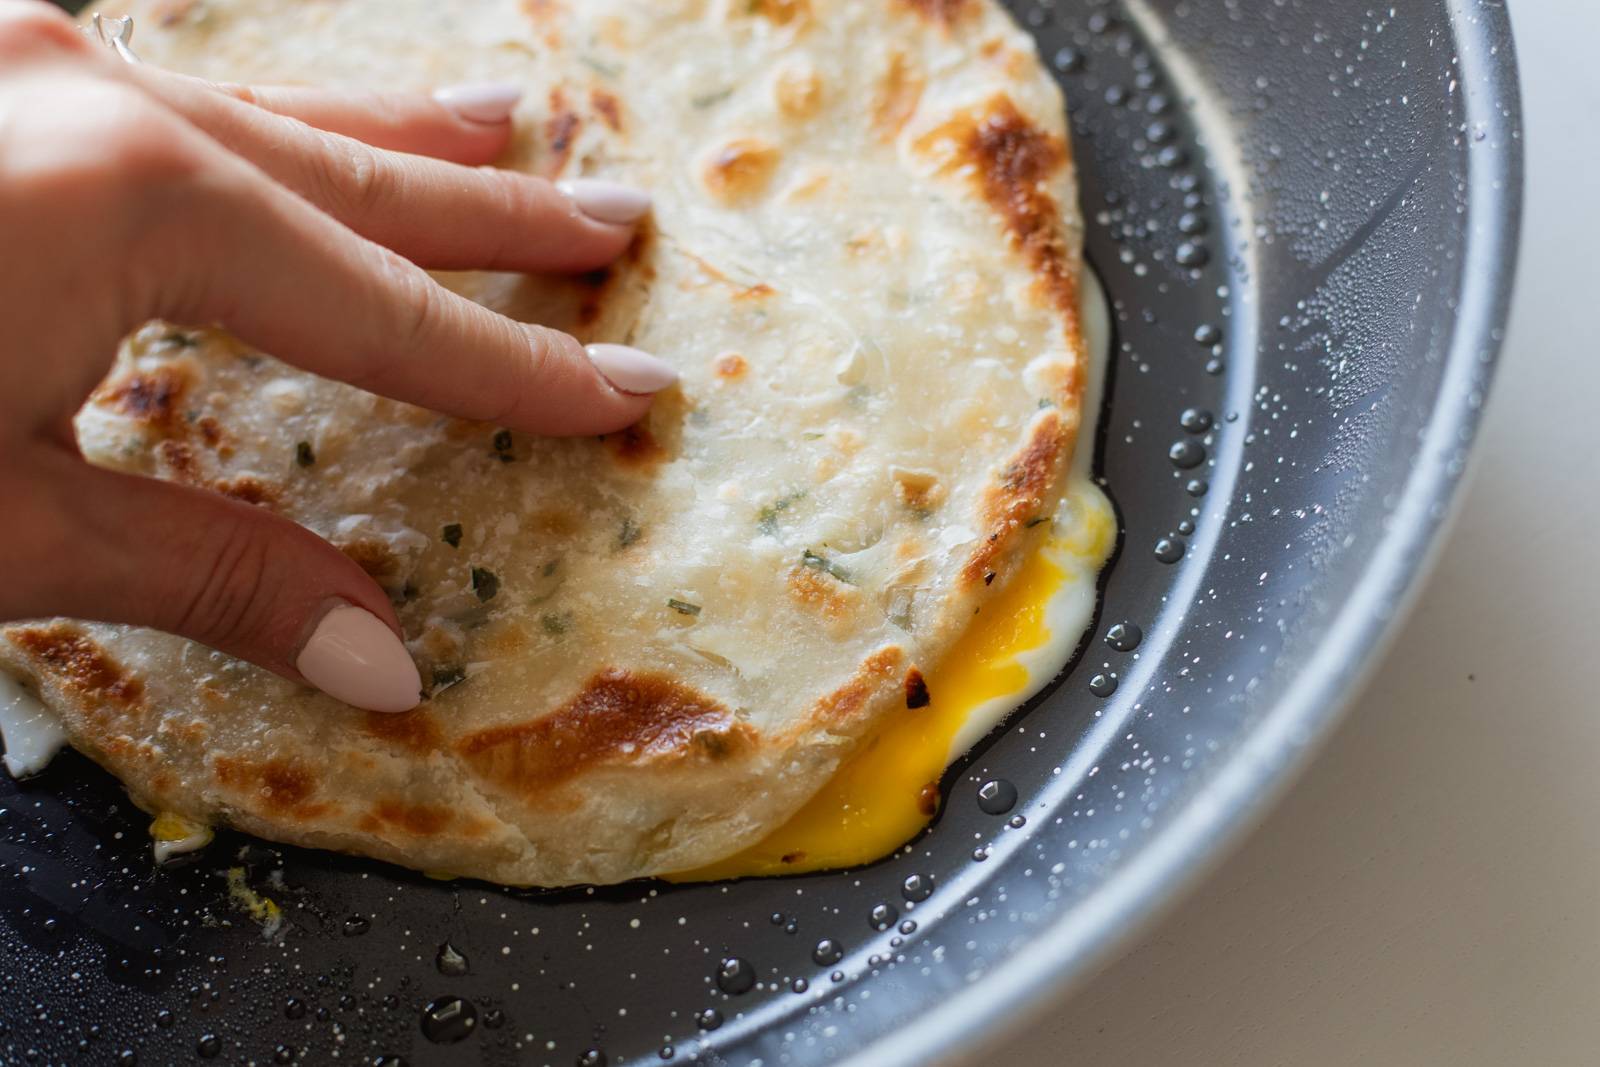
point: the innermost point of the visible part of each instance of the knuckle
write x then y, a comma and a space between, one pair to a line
354, 178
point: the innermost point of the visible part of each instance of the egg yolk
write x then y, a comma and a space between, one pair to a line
888, 789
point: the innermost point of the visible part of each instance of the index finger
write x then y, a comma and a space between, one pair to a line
316, 295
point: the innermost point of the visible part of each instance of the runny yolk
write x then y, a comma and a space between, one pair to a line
888, 789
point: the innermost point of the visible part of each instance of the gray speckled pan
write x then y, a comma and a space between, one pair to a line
1305, 213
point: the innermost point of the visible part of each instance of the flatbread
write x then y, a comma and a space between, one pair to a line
645, 651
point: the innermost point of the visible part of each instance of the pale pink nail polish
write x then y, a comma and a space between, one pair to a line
606, 201
631, 371
352, 656
486, 102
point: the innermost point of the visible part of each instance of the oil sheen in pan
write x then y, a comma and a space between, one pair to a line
888, 791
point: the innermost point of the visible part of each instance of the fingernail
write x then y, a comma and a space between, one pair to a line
488, 102
352, 656
608, 202
630, 370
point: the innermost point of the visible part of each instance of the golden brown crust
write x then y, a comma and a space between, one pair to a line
617, 718
1011, 161
79, 666
415, 731
279, 786
1018, 497
944, 13
741, 168
847, 702
149, 397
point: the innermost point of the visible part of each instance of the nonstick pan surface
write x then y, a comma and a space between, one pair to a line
1305, 215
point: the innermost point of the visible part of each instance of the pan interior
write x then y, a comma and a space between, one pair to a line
1278, 198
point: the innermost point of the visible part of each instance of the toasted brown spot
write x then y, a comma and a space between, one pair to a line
741, 291
247, 489
418, 820
797, 90
780, 12
178, 460
210, 431
607, 107
151, 397
916, 689
758, 291
796, 856
539, 11
731, 366
928, 799
1011, 161
741, 168
280, 785
821, 592
79, 665
635, 446
561, 130
899, 91
918, 490
877, 673
413, 730
619, 717
942, 12
374, 557
1018, 496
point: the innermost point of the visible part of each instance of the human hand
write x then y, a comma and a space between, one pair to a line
299, 220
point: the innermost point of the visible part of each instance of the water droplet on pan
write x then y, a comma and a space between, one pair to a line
357, 925
1103, 685
1169, 550
450, 962
294, 1008
1195, 420
1192, 254
1187, 454
1069, 60
882, 916
917, 887
208, 1047
828, 952
735, 976
709, 1019
449, 1019
1207, 334
1124, 636
591, 1058
1196, 487
996, 797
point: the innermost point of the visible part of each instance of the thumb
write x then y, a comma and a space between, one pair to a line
232, 576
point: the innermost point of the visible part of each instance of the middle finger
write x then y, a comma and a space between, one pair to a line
439, 215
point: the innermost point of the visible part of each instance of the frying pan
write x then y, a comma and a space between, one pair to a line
1305, 214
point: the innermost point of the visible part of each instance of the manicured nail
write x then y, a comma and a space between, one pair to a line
352, 656
608, 202
630, 370
488, 102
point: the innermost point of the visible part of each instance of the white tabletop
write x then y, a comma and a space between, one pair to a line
1430, 891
